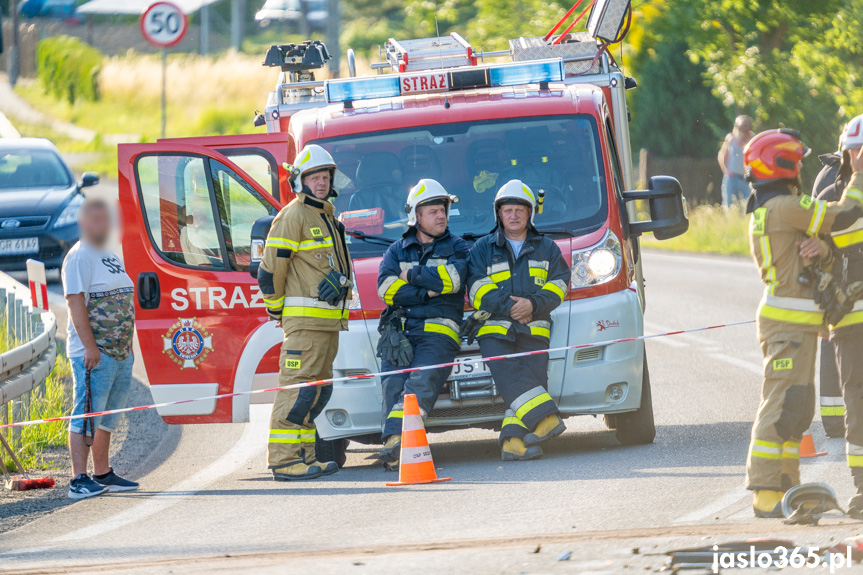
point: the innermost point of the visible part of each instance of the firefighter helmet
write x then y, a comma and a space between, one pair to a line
852, 135
517, 192
426, 192
809, 499
312, 158
774, 155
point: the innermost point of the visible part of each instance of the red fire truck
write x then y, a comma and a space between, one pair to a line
554, 116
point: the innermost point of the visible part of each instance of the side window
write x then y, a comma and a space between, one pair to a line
179, 210
238, 206
260, 165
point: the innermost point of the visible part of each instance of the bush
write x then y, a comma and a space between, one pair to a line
68, 68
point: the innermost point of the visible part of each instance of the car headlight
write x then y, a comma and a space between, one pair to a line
597, 264
355, 299
69, 215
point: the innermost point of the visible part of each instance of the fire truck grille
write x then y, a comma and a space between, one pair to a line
588, 354
469, 411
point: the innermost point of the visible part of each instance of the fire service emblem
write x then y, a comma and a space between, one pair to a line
187, 343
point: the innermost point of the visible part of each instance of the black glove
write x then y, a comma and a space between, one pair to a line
333, 287
393, 345
470, 328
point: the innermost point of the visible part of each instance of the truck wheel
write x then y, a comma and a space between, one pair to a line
335, 450
637, 427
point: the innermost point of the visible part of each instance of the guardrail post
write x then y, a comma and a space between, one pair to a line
16, 416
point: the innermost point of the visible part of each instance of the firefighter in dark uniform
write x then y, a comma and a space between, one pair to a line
422, 280
784, 242
517, 278
305, 281
847, 333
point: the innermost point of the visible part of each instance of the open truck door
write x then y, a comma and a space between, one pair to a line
187, 212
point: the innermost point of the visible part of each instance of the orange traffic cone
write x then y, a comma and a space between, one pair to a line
416, 465
807, 447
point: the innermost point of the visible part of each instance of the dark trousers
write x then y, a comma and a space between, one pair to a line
522, 382
849, 361
426, 385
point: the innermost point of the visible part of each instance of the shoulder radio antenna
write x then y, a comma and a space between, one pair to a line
440, 51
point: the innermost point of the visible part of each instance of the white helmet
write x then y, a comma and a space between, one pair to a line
516, 191
852, 135
424, 192
311, 158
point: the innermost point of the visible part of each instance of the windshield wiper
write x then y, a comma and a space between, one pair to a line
561, 231
381, 240
474, 236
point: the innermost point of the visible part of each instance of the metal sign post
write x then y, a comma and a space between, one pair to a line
164, 24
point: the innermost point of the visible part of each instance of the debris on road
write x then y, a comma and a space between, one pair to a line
565, 556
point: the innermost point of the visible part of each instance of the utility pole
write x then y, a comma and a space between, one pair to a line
238, 23
13, 63
334, 21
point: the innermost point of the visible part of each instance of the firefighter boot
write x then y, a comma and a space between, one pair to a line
548, 427
767, 504
855, 505
514, 449
298, 471
392, 449
310, 458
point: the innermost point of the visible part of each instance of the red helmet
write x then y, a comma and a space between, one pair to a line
774, 155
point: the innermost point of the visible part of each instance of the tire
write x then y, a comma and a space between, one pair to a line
637, 427
335, 450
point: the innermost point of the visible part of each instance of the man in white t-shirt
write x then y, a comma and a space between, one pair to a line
99, 295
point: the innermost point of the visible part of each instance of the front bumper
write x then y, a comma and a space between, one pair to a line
581, 381
53, 245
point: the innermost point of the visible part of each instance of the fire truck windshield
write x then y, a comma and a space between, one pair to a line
560, 155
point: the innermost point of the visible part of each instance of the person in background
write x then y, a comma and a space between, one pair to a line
100, 295
734, 185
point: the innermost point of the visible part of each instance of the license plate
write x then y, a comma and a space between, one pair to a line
472, 367
19, 246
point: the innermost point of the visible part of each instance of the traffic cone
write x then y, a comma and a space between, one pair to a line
807, 447
416, 465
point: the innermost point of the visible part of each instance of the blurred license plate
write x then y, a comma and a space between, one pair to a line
19, 246
472, 367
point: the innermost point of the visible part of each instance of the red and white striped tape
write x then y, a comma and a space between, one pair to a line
373, 375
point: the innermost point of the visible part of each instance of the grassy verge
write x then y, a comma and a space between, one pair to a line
206, 96
31, 442
712, 230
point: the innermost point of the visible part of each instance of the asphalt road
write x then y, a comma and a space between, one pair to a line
211, 506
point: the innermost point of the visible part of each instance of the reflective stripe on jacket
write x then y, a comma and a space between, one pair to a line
440, 267
539, 274
305, 243
776, 227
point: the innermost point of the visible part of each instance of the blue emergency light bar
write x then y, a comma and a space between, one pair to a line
492, 76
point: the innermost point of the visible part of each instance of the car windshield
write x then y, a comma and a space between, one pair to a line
24, 169
560, 155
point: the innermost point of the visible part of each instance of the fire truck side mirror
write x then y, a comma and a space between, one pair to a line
667, 206
260, 231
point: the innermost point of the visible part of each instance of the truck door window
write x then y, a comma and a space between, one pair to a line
617, 172
178, 206
239, 205
259, 164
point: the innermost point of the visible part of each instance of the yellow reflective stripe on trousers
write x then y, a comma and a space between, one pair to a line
513, 421
832, 411
765, 449
855, 461
853, 318
477, 299
396, 414
292, 436
490, 329
442, 329
536, 401
817, 217
791, 450
540, 331
555, 288
296, 311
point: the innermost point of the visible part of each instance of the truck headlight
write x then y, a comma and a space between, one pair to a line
69, 215
597, 264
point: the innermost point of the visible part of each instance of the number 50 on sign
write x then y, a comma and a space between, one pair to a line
164, 24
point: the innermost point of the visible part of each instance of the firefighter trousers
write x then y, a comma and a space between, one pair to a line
785, 413
522, 382
849, 361
426, 385
306, 356
832, 407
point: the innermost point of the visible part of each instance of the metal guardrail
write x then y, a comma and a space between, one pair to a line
33, 336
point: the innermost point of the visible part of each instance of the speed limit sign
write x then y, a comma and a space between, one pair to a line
164, 24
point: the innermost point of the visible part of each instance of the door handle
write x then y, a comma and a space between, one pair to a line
149, 293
